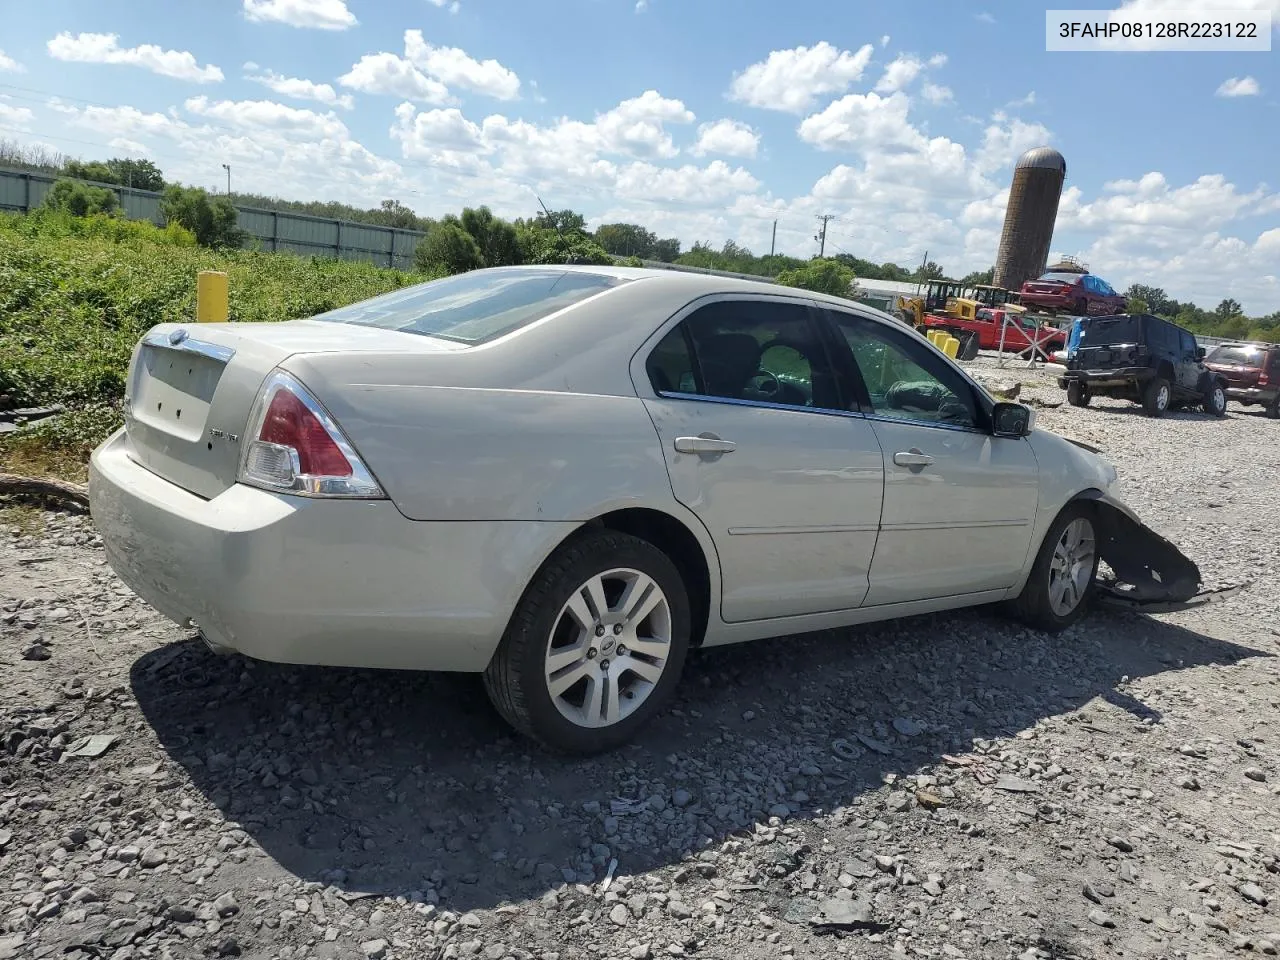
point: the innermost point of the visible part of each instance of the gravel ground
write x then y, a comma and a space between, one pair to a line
947, 786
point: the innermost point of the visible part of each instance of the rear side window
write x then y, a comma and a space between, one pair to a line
474, 307
1061, 277
1238, 356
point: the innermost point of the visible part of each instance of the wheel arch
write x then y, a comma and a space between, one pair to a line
685, 542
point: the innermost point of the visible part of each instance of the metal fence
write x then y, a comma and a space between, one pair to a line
280, 230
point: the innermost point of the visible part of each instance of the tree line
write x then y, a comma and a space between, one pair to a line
477, 238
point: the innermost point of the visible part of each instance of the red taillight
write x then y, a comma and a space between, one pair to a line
290, 424
1263, 379
294, 446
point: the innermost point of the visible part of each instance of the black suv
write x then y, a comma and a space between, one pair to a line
1145, 359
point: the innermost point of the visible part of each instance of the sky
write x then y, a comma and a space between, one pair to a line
707, 120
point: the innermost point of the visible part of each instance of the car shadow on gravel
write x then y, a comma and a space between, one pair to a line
403, 784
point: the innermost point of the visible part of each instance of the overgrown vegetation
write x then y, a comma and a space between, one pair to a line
77, 293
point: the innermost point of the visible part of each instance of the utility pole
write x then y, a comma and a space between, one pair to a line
227, 167
822, 235
773, 244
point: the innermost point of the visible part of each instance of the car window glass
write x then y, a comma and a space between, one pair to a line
1188, 342
670, 365
761, 351
904, 379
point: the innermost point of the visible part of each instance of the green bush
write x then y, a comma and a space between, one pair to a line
211, 219
77, 294
448, 248
80, 199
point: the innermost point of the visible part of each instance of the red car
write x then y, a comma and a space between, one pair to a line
1081, 294
988, 325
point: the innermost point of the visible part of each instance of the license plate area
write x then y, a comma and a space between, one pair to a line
174, 390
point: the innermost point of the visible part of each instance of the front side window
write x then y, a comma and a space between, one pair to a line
751, 350
905, 380
477, 306
1188, 343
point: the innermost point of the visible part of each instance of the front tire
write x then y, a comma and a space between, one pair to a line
596, 645
1060, 588
1273, 408
1215, 400
1156, 397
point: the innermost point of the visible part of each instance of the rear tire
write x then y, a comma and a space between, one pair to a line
1077, 394
1157, 397
571, 625
1215, 400
1057, 594
1273, 408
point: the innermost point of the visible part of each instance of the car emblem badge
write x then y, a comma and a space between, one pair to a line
177, 336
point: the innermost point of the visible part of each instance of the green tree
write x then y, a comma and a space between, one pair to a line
822, 275
667, 250
980, 277
448, 248
929, 271
211, 219
1137, 305
495, 237
81, 199
138, 174
1227, 309
565, 221
626, 240
94, 170
542, 243
396, 214
1156, 299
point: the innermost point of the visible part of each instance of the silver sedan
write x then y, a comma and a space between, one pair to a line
567, 477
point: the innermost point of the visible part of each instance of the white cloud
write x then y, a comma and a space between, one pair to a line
7, 63
938, 60
453, 5
312, 14
386, 73
267, 115
637, 126
1239, 87
864, 121
1027, 101
900, 73
984, 17
884, 41
300, 89
454, 68
791, 80
12, 116
105, 48
444, 137
129, 148
707, 186
1006, 139
642, 6
730, 138
936, 93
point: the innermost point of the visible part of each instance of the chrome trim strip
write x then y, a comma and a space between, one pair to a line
213, 351
763, 404
823, 528
955, 525
825, 411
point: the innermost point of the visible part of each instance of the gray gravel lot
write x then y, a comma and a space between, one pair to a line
947, 786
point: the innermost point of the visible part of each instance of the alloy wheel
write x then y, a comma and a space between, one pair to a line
608, 648
1071, 567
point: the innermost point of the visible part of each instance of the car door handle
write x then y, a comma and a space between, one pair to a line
702, 445
912, 458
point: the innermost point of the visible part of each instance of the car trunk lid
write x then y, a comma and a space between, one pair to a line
191, 387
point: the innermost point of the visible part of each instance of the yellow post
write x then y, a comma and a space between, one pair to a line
932, 337
951, 347
212, 297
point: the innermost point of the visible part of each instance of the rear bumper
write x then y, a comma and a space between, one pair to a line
1121, 376
326, 582
1252, 394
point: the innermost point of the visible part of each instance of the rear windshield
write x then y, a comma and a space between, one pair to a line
1061, 277
474, 307
1104, 330
1236, 356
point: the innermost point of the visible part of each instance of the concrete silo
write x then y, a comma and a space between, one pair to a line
1028, 221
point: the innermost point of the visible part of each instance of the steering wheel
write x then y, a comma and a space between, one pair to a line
764, 383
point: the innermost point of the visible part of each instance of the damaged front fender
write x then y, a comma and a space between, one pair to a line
1151, 574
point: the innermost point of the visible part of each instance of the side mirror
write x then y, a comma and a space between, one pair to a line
1200, 353
1012, 420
